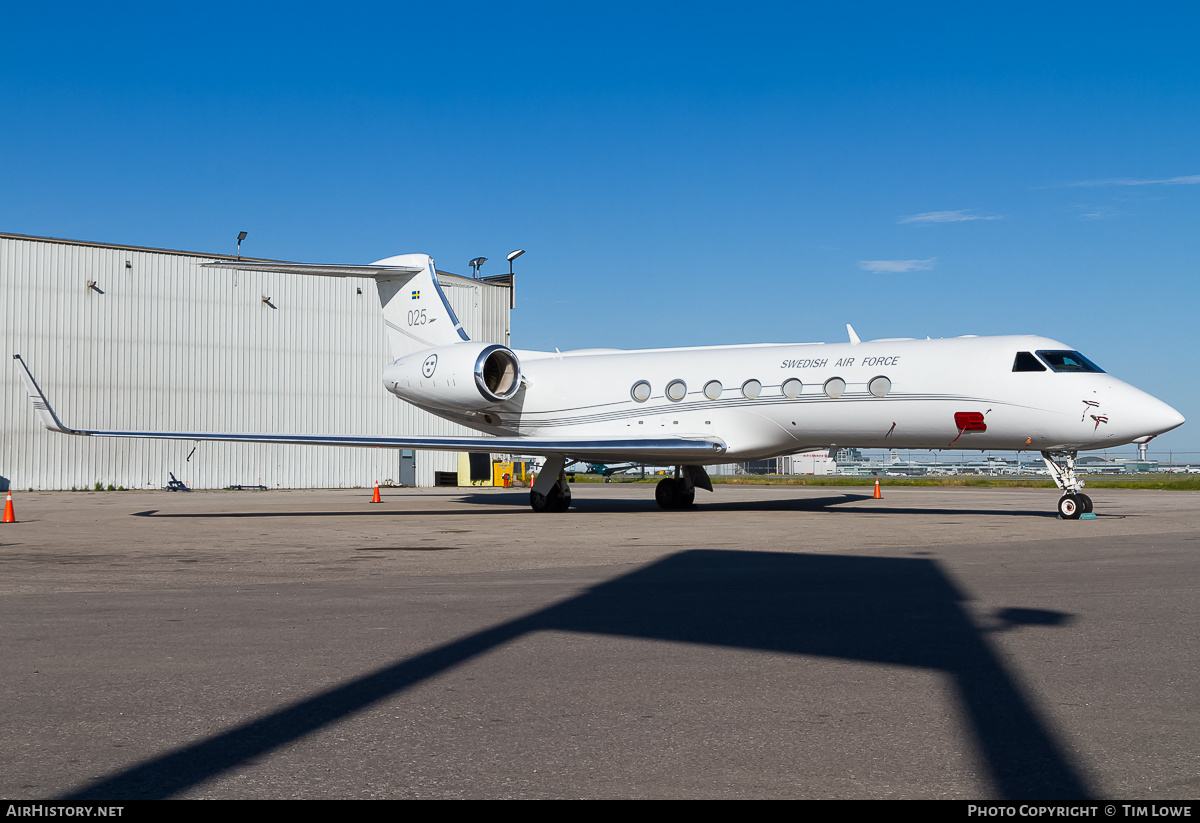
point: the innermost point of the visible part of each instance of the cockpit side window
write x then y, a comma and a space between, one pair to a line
1069, 361
1027, 362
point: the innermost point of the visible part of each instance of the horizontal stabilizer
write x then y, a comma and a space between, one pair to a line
322, 269
416, 313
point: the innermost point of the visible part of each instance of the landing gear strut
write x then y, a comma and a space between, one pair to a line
679, 492
550, 492
1074, 503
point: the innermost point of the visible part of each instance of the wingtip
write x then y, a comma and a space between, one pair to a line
41, 406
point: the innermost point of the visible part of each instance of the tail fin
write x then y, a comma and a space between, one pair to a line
415, 309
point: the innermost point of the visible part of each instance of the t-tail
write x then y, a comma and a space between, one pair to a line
415, 309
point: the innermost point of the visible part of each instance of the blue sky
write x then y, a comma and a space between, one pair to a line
680, 174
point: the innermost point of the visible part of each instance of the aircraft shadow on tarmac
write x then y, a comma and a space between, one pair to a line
585, 505
895, 611
496, 503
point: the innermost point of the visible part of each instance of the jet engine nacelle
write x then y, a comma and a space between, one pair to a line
461, 376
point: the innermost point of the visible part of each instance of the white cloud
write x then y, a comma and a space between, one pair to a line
1087, 212
1186, 180
958, 216
896, 265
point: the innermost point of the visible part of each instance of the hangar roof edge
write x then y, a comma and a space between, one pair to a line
206, 255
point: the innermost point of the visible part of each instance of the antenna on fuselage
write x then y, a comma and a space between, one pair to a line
854, 341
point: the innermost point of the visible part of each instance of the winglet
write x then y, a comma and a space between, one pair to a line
854, 341
40, 404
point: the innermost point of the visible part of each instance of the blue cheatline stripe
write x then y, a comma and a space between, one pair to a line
628, 411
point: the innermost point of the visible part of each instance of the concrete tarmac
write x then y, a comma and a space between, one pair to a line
772, 642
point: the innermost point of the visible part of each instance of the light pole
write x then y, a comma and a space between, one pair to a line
512, 283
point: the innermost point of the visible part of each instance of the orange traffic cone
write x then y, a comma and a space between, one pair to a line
375, 498
9, 517
878, 496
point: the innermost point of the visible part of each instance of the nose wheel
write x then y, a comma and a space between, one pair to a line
1072, 506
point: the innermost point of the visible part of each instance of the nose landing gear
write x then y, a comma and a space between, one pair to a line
1074, 503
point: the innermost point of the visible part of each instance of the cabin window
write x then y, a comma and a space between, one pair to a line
1069, 361
751, 389
879, 386
1027, 362
713, 389
640, 391
792, 387
676, 390
835, 387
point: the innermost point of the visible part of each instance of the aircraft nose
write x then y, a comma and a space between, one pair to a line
1157, 417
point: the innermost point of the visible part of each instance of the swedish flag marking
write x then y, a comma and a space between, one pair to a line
416, 295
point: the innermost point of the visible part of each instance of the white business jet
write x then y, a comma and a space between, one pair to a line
700, 406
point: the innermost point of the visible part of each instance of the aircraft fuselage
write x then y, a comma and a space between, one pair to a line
769, 400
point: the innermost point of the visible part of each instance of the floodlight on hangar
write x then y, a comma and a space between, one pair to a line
513, 255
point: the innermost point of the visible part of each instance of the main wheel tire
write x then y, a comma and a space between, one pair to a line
665, 493
1070, 507
685, 499
1086, 502
557, 501
560, 502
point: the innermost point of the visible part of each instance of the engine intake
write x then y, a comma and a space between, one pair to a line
497, 373
466, 376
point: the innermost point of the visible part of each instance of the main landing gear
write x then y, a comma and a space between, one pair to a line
550, 492
679, 492
1074, 503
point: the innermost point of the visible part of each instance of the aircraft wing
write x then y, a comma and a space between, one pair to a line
661, 450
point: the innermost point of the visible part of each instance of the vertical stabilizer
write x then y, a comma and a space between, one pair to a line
415, 309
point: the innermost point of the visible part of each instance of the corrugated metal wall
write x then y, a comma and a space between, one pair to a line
160, 343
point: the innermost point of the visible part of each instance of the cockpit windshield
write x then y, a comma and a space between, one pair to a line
1069, 361
1025, 361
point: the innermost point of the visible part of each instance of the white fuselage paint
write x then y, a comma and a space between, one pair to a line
588, 394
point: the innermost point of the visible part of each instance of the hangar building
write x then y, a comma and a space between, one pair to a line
121, 337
